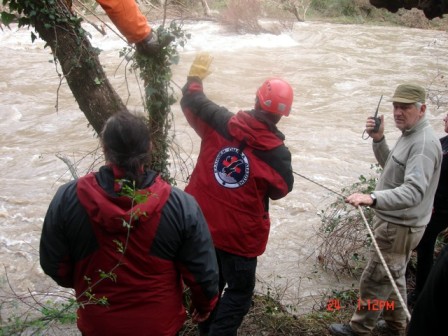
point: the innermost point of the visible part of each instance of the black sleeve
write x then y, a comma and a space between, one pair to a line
67, 236
279, 159
54, 246
201, 113
183, 235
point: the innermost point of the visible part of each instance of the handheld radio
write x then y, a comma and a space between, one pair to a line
376, 118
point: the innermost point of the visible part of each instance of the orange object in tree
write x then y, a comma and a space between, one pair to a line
128, 19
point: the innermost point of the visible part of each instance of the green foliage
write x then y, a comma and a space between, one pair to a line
365, 184
128, 190
342, 7
442, 239
159, 94
36, 322
31, 12
345, 297
92, 299
120, 246
343, 230
108, 275
64, 313
6, 18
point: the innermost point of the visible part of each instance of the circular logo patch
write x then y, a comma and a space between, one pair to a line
231, 168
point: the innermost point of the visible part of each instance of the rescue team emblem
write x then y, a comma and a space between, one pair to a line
231, 168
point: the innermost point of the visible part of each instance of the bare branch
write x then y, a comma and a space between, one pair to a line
69, 164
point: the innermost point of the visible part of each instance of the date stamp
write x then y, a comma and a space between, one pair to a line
334, 305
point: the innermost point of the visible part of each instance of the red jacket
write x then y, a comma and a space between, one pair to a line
242, 163
168, 244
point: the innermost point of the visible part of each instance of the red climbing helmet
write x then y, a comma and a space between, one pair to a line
275, 96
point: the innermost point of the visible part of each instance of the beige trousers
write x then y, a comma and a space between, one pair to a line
377, 294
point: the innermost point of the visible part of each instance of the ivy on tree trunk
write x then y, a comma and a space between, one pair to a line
61, 29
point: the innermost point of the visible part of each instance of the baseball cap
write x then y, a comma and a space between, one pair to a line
409, 93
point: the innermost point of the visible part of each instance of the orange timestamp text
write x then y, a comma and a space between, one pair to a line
375, 304
369, 304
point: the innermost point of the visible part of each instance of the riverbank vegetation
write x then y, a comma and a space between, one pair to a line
247, 12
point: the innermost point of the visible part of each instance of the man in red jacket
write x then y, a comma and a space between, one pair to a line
242, 163
127, 241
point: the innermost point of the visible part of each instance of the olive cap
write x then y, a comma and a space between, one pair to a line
409, 93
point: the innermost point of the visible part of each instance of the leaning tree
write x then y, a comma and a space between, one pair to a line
60, 27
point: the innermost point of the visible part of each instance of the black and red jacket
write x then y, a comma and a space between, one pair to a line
441, 196
85, 232
242, 163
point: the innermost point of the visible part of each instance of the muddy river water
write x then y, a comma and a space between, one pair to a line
338, 73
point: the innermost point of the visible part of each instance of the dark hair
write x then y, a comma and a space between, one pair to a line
265, 116
126, 142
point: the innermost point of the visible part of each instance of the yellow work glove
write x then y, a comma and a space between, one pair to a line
201, 65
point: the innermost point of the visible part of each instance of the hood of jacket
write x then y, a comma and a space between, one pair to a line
257, 133
116, 211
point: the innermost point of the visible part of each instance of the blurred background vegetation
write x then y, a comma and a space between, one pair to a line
338, 11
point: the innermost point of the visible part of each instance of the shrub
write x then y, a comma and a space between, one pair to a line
241, 16
343, 231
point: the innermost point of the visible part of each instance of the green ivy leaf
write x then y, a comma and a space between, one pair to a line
7, 18
98, 81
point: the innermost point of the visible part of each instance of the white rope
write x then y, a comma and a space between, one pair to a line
400, 298
394, 285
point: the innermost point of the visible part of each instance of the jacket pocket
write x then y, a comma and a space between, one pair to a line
399, 168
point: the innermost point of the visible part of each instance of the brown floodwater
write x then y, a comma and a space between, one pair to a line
338, 73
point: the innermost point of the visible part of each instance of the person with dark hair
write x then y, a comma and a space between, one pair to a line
127, 241
402, 202
438, 223
243, 162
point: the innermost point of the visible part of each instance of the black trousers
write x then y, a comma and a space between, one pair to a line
425, 249
430, 311
237, 283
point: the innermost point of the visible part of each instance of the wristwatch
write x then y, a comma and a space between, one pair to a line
373, 197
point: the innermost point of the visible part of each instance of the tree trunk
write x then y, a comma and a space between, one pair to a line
81, 67
61, 29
